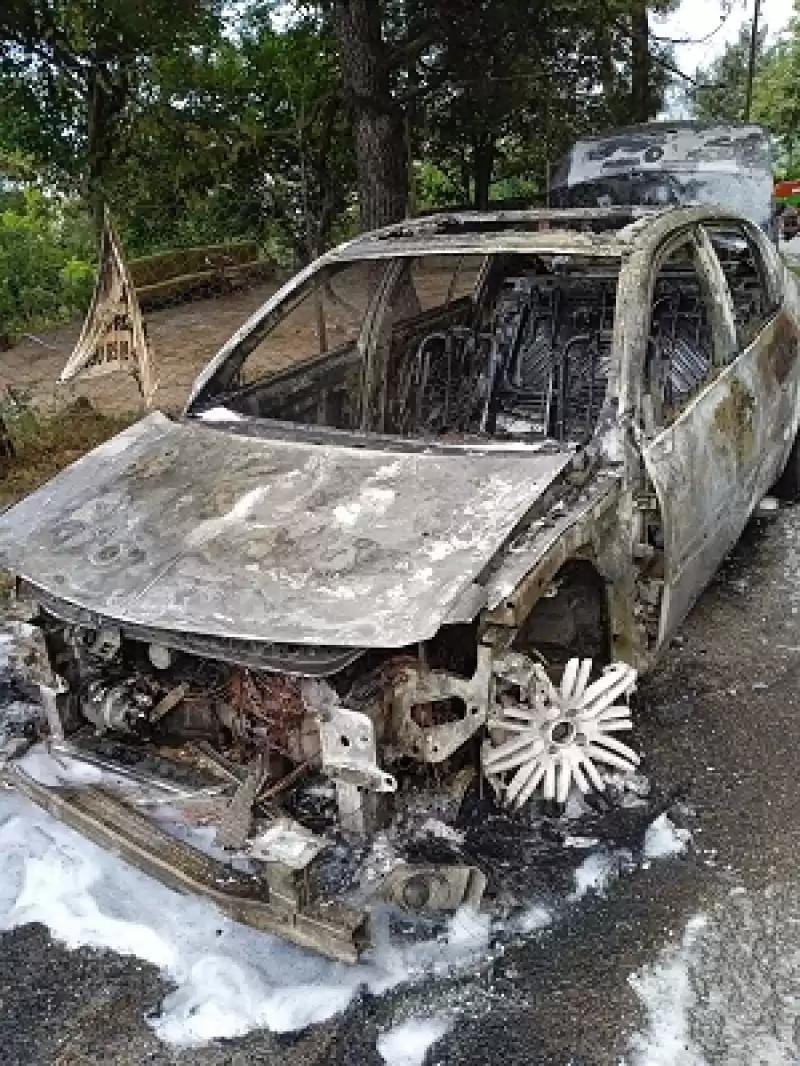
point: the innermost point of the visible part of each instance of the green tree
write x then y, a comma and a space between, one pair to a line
44, 264
721, 89
69, 70
776, 97
246, 138
548, 74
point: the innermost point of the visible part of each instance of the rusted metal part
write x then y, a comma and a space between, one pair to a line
418, 686
269, 792
540, 552
117, 707
335, 930
434, 888
229, 771
276, 703
234, 826
168, 703
152, 773
29, 660
349, 750
285, 842
113, 336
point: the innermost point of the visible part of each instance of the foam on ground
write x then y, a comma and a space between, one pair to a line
407, 1044
726, 993
665, 992
664, 840
228, 978
597, 871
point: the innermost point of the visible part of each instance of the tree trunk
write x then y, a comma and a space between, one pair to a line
640, 62
482, 165
378, 120
107, 93
606, 54
95, 115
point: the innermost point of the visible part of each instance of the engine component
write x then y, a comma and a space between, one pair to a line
120, 708
549, 737
26, 648
419, 735
234, 827
106, 643
160, 656
350, 755
349, 750
434, 888
272, 708
168, 703
286, 841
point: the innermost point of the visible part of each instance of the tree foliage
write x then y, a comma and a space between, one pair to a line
44, 263
721, 88
72, 68
200, 121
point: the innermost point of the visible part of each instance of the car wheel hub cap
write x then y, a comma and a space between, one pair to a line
549, 738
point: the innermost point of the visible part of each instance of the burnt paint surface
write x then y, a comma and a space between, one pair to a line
725, 164
778, 359
186, 527
724, 452
733, 419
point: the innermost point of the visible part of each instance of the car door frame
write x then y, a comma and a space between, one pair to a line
723, 431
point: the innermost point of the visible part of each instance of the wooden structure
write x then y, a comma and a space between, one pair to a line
113, 335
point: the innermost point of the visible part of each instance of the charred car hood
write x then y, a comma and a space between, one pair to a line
190, 527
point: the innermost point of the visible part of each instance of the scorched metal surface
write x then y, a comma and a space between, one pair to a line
189, 527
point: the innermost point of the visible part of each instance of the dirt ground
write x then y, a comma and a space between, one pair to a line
183, 340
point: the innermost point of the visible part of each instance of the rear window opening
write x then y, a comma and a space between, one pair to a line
508, 346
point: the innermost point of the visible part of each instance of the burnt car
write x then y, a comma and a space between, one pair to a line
662, 163
421, 523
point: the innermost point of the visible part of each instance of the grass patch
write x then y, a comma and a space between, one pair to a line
46, 443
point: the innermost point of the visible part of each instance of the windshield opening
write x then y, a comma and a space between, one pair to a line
507, 346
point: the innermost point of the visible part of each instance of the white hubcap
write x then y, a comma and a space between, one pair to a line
548, 738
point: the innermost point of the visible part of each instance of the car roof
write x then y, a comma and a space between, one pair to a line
702, 127
595, 232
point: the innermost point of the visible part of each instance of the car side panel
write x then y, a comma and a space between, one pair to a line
711, 467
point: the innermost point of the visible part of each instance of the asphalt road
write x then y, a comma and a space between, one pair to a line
720, 727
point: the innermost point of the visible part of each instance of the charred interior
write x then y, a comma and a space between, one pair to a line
501, 346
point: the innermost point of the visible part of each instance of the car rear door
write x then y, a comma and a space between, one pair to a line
716, 406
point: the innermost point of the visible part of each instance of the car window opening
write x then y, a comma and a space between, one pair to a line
753, 304
680, 345
510, 346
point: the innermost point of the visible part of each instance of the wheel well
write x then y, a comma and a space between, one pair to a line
571, 619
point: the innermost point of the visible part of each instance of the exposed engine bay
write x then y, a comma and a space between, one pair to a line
337, 791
